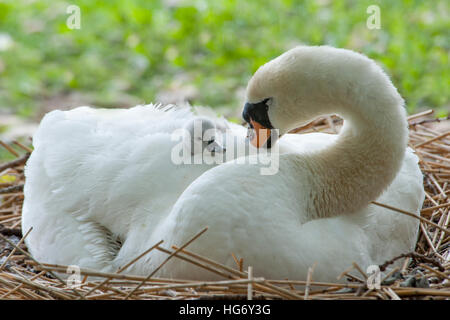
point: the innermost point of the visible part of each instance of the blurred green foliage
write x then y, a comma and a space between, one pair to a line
128, 51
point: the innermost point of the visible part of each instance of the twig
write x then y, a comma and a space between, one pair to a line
411, 215
391, 293
12, 189
20, 145
10, 232
414, 255
308, 280
420, 114
14, 249
11, 150
29, 256
436, 272
357, 267
15, 163
166, 260
432, 139
250, 287
213, 263
120, 270
187, 259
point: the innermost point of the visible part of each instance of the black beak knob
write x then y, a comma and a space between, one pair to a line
257, 112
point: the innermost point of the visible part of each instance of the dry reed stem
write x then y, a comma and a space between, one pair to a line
10, 149
212, 262
411, 215
29, 256
126, 266
15, 249
432, 139
236, 274
309, 280
250, 284
23, 147
420, 114
195, 237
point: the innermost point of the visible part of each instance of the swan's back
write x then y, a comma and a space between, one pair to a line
275, 223
392, 232
86, 151
139, 120
95, 173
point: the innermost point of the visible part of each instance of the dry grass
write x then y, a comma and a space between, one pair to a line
424, 274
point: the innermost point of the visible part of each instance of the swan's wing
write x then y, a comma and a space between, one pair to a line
139, 120
94, 165
66, 139
393, 233
259, 218
94, 170
308, 142
58, 236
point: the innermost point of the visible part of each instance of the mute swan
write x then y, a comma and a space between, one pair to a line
316, 208
91, 169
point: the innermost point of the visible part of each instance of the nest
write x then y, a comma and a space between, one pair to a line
424, 273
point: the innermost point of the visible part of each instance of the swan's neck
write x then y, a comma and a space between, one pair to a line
363, 161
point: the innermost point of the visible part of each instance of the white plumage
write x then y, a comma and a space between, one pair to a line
315, 209
96, 173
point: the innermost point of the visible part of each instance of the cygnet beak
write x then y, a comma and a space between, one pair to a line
214, 147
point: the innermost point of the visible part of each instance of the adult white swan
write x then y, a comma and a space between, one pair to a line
94, 174
316, 208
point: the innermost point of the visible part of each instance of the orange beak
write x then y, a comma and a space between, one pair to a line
261, 135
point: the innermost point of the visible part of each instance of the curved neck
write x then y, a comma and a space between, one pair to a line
362, 162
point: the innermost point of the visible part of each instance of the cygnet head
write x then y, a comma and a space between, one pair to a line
201, 134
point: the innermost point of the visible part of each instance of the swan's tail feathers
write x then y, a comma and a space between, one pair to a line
48, 121
103, 245
159, 106
204, 111
398, 231
64, 239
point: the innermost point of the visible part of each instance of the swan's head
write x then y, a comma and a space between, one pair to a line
294, 88
202, 134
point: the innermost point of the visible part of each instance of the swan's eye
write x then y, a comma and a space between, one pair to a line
210, 141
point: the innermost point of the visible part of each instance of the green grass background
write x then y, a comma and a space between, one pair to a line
128, 52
